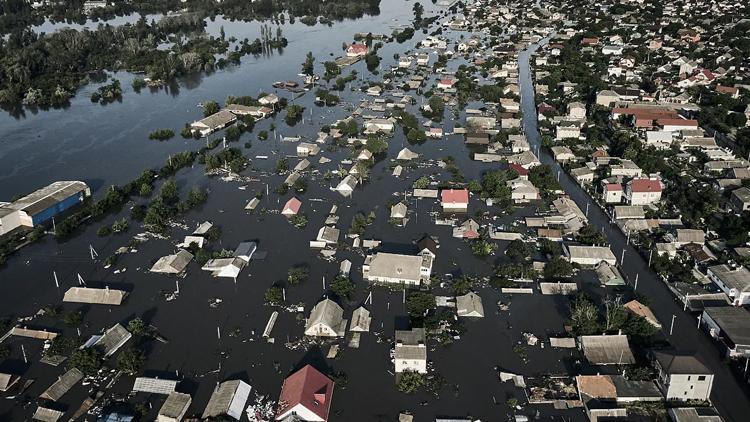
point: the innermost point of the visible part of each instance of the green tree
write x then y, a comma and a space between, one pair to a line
584, 317
274, 296
409, 382
419, 303
589, 235
462, 285
211, 107
422, 183
342, 286
130, 361
73, 318
297, 275
308, 67
558, 267
518, 251
87, 360
137, 327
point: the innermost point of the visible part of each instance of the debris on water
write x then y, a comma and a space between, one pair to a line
503, 306
531, 339
214, 302
261, 409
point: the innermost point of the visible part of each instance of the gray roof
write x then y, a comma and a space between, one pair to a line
154, 385
469, 305
105, 296
360, 320
405, 267
62, 385
113, 339
694, 414
172, 264
737, 278
734, 322
681, 364
602, 253
328, 313
222, 398
47, 415
635, 389
48, 196
218, 120
7, 380
176, 405
607, 349
411, 344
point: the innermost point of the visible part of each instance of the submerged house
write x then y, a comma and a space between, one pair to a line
228, 399
306, 395
172, 264
214, 122
410, 352
326, 320
396, 268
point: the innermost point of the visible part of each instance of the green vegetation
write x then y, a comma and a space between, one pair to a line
518, 251
482, 247
274, 296
410, 382
293, 114
418, 303
296, 275
130, 361
342, 286
421, 183
86, 360
161, 134
108, 93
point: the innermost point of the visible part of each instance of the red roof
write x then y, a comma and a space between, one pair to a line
307, 387
447, 82
292, 206
519, 169
677, 122
455, 196
613, 187
357, 48
645, 185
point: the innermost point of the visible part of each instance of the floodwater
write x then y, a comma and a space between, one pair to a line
106, 145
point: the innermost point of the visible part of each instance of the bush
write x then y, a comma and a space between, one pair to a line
410, 382
161, 134
297, 275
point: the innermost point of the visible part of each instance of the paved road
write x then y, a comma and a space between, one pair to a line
730, 395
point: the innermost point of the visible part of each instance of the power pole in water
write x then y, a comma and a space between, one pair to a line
671, 326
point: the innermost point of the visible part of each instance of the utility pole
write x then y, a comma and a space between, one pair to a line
671, 326
636, 282
622, 256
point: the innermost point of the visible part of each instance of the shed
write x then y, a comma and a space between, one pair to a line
469, 305
326, 320
172, 264
174, 408
154, 385
47, 415
360, 320
606, 349
90, 295
62, 385
228, 399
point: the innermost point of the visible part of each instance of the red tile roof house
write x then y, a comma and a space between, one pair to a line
291, 207
446, 83
643, 191
357, 50
306, 395
612, 193
455, 200
522, 172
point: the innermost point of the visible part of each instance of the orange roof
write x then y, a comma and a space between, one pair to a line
613, 187
455, 196
596, 386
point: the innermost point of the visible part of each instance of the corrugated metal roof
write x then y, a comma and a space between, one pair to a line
62, 385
